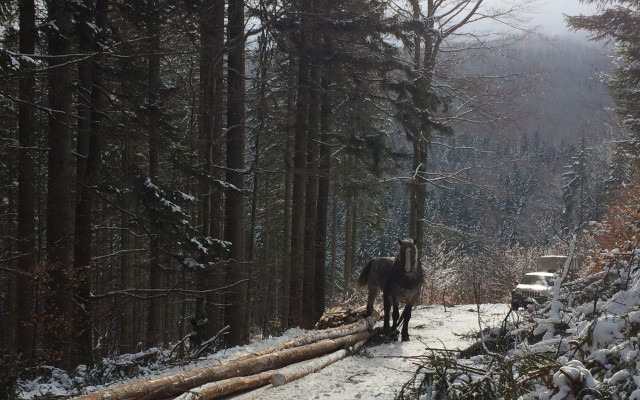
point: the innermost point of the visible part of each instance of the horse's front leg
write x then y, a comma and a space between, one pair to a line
396, 313
387, 309
406, 316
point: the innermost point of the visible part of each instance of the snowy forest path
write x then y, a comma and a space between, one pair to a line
378, 372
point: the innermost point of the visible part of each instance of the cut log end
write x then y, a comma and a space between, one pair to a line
342, 315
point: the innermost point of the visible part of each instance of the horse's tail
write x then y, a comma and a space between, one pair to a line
363, 279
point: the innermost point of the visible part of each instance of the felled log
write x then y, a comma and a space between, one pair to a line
269, 358
225, 387
293, 372
314, 336
343, 315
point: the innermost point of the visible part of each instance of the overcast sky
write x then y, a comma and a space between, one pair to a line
549, 14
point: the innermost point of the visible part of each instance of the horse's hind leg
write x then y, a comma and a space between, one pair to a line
373, 293
387, 309
406, 316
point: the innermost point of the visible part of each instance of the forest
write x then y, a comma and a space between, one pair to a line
176, 169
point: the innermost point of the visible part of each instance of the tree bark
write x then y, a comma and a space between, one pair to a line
59, 197
423, 61
130, 336
334, 245
278, 377
210, 213
294, 372
234, 204
324, 171
88, 161
226, 387
349, 242
256, 285
206, 120
299, 168
311, 199
217, 277
297, 233
25, 306
287, 212
155, 333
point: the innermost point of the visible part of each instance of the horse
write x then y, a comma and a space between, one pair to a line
400, 279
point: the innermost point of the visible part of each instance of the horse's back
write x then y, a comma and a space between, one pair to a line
375, 273
381, 270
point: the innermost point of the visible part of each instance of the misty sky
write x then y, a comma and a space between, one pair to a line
549, 14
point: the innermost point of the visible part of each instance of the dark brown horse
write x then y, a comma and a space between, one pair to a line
400, 279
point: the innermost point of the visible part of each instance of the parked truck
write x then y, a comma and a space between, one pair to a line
535, 287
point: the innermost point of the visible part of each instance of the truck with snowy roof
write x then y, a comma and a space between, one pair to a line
535, 287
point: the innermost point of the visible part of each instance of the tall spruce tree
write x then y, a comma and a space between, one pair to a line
58, 300
235, 313
618, 21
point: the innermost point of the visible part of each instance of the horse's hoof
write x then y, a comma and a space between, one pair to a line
405, 338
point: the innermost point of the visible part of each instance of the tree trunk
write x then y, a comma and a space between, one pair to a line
234, 204
25, 306
261, 115
156, 332
349, 239
86, 170
353, 250
267, 298
299, 169
58, 305
209, 213
418, 189
287, 213
217, 277
423, 61
206, 120
324, 171
334, 245
311, 194
129, 335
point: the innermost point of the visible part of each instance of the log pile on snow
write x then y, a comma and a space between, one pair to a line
277, 365
343, 315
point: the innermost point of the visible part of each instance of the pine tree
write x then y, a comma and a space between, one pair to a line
577, 194
58, 300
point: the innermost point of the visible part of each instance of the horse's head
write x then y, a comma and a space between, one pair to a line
407, 255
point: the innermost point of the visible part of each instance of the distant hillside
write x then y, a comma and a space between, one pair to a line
503, 181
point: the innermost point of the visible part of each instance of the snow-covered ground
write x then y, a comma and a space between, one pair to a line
374, 372
378, 372
584, 344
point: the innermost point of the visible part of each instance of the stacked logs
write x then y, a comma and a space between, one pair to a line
343, 315
277, 365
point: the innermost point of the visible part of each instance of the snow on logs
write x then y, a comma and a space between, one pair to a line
245, 372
